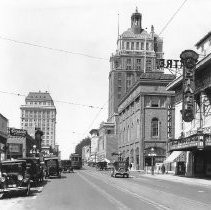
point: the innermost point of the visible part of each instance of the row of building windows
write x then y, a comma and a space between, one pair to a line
137, 46
44, 112
129, 109
137, 64
44, 116
150, 101
38, 123
49, 103
155, 101
125, 134
43, 120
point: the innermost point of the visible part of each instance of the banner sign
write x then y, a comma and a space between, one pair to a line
17, 132
189, 59
169, 63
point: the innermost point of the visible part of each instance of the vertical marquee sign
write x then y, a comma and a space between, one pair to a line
188, 59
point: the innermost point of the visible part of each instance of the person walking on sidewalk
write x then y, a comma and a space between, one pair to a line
163, 169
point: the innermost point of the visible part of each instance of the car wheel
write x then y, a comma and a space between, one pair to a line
1, 195
28, 189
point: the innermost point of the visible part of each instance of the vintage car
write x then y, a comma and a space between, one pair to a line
66, 166
53, 167
120, 168
14, 177
35, 169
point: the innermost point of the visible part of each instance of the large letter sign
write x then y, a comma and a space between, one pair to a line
189, 59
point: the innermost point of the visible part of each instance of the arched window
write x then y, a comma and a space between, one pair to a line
154, 127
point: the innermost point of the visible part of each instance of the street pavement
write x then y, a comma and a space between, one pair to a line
90, 189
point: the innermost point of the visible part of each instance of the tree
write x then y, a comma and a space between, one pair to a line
84, 142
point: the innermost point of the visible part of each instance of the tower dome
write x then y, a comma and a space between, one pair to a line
136, 18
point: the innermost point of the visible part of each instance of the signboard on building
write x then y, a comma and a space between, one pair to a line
17, 132
189, 59
169, 63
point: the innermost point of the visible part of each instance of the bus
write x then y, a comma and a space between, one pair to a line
76, 161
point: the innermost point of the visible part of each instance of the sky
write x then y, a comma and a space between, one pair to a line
87, 27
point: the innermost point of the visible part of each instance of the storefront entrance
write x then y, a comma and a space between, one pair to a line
202, 163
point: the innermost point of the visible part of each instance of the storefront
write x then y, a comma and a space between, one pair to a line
19, 143
202, 160
197, 148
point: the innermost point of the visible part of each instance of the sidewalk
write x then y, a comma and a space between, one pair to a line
173, 178
167, 177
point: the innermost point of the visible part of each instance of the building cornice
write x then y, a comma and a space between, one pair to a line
150, 82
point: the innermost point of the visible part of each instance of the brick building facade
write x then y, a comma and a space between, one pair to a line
143, 120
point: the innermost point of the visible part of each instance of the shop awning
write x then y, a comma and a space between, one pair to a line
171, 158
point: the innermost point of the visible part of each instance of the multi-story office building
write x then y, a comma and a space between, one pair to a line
40, 112
137, 51
138, 101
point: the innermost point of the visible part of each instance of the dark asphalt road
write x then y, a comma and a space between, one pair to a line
95, 190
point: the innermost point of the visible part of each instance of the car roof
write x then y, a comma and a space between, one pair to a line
29, 158
51, 158
13, 161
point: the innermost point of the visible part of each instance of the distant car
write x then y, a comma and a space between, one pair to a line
14, 177
66, 166
120, 168
53, 167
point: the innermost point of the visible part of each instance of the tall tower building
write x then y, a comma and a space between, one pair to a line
137, 51
39, 112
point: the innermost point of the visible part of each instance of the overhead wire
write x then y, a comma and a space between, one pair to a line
51, 48
58, 101
81, 54
172, 17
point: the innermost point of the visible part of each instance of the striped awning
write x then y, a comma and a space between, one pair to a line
173, 156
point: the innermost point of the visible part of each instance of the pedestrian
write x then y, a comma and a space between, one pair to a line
163, 169
130, 166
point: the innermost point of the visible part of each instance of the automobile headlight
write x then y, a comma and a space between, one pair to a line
20, 177
2, 179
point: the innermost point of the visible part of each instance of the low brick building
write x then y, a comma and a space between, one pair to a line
107, 143
19, 143
143, 120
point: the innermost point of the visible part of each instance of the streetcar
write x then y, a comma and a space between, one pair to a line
76, 161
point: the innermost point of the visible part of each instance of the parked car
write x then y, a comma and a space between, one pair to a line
35, 169
53, 167
14, 177
66, 166
120, 168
